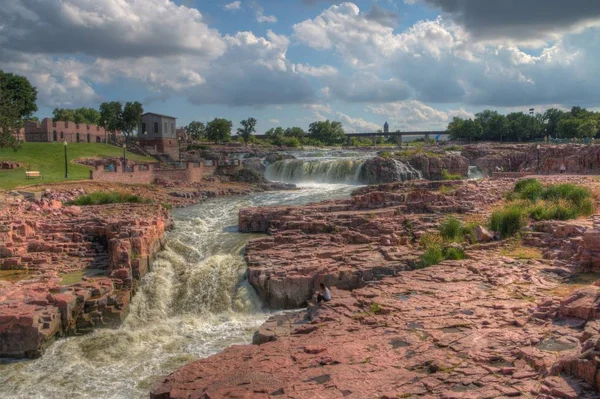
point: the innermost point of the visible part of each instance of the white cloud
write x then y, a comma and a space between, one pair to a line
414, 115
107, 28
319, 72
233, 6
357, 125
274, 121
261, 18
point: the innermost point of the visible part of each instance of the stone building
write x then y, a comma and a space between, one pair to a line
159, 133
48, 131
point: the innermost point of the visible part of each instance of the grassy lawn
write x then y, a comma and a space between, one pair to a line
49, 158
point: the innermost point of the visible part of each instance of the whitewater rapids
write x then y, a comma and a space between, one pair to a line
195, 302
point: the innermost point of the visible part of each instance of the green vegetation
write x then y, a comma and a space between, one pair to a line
451, 229
450, 176
17, 104
112, 197
489, 125
88, 116
437, 250
530, 199
508, 221
49, 158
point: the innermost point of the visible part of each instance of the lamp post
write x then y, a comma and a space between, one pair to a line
66, 161
179, 148
124, 157
531, 113
538, 157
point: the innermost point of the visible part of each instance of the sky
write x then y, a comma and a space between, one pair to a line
413, 63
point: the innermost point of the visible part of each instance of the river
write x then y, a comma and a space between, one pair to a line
194, 303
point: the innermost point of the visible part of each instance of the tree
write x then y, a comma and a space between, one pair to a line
89, 116
465, 129
197, 130
248, 127
219, 130
132, 117
114, 117
587, 129
63, 114
568, 127
493, 124
296, 132
552, 118
329, 133
17, 103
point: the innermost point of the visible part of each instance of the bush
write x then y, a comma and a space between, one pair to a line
103, 198
449, 176
432, 256
453, 253
529, 189
508, 221
451, 229
385, 154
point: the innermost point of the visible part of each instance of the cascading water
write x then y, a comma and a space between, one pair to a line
474, 173
194, 303
345, 171
351, 168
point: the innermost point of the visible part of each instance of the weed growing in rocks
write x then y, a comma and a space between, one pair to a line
103, 198
531, 199
437, 250
450, 176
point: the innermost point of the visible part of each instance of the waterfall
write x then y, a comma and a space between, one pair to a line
342, 171
346, 171
474, 173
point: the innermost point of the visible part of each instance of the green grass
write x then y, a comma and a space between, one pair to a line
449, 176
49, 158
103, 198
508, 221
451, 229
531, 199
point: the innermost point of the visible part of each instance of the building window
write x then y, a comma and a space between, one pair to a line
166, 130
54, 137
143, 128
77, 136
98, 139
62, 136
172, 127
155, 127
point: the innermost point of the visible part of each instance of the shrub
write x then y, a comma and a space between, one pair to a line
453, 253
508, 221
385, 154
102, 198
446, 190
449, 176
530, 189
453, 147
452, 229
432, 256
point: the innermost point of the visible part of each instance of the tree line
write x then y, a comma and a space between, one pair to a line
219, 130
517, 126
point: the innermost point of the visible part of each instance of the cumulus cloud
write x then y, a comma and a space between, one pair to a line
357, 125
415, 115
382, 16
316, 71
107, 28
274, 121
233, 6
521, 21
435, 61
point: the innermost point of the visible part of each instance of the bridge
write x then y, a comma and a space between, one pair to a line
374, 135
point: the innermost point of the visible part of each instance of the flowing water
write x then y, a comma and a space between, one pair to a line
332, 167
194, 303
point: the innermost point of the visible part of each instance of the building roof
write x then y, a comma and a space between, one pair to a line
154, 113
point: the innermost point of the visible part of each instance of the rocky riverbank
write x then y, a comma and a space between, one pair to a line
66, 270
513, 319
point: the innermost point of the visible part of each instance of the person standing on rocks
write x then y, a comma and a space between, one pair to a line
324, 295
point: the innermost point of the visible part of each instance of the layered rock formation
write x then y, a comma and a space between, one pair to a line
462, 329
490, 326
432, 166
70, 269
578, 158
346, 243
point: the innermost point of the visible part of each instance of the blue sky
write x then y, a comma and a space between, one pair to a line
413, 63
